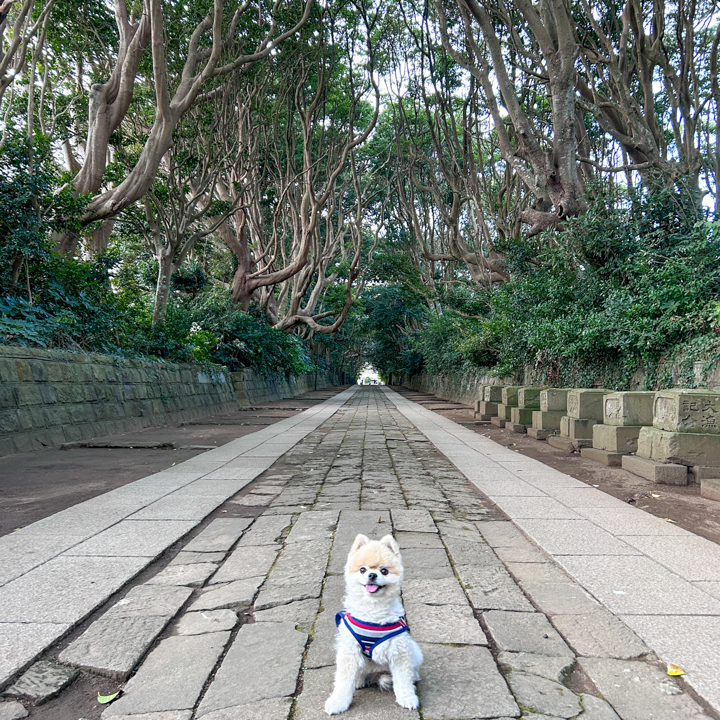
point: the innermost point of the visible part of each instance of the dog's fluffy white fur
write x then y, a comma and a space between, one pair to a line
373, 576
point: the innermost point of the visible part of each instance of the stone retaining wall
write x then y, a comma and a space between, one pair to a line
251, 388
49, 397
457, 388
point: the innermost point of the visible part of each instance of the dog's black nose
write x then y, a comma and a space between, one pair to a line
372, 577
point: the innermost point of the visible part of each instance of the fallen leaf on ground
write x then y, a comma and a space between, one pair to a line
105, 699
654, 495
670, 520
674, 669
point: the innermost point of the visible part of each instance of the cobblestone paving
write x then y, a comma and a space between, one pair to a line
247, 608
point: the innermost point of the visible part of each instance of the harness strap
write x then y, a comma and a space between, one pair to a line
370, 635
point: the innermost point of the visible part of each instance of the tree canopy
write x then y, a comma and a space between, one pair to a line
427, 185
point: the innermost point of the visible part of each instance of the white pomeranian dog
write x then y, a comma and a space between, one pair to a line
374, 643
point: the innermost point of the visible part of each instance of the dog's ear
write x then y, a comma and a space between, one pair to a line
389, 542
360, 540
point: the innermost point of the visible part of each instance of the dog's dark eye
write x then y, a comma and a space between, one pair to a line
384, 571
362, 570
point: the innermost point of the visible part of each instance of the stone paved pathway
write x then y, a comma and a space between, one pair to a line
245, 612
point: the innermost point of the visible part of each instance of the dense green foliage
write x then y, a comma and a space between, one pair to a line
623, 290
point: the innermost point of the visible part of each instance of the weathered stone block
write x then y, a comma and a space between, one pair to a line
710, 488
628, 408
504, 411
586, 404
705, 472
488, 408
615, 438
660, 473
8, 371
529, 397
553, 399
498, 421
611, 459
679, 447
521, 416
547, 419
493, 393
27, 394
510, 394
560, 443
539, 433
517, 427
687, 411
576, 428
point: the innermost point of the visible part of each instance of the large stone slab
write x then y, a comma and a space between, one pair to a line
556, 669
547, 419
641, 691
44, 595
267, 657
576, 428
12, 711
553, 400
521, 416
206, 621
275, 709
560, 598
594, 708
493, 393
146, 538
219, 536
266, 530
172, 677
616, 438
657, 472
246, 562
492, 588
237, 595
509, 395
42, 682
463, 682
628, 408
600, 634
312, 526
444, 591
682, 448
149, 600
413, 521
687, 411
301, 613
544, 696
368, 703
193, 575
20, 643
529, 397
525, 632
586, 404
449, 624
113, 646
297, 575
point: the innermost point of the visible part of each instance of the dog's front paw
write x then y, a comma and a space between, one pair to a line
335, 705
407, 700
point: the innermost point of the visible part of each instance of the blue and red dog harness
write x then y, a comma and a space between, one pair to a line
370, 635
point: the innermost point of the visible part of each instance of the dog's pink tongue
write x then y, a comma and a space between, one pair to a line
371, 588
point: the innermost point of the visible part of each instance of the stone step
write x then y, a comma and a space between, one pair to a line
660, 473
540, 433
611, 459
560, 443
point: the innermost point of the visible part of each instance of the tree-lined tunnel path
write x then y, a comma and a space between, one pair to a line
531, 593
